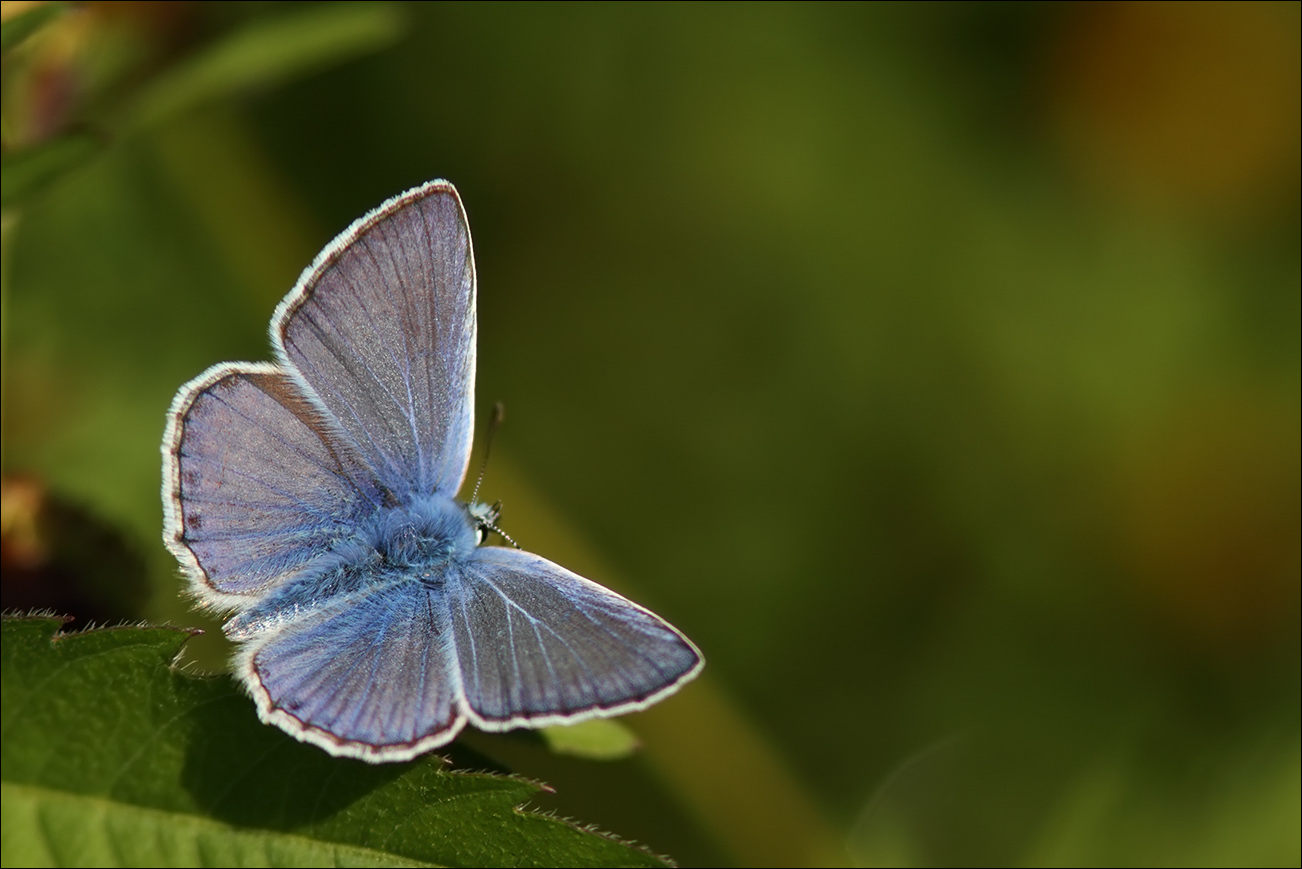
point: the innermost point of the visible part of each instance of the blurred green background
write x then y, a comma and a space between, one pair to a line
934, 367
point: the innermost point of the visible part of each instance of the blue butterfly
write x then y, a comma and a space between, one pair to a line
315, 498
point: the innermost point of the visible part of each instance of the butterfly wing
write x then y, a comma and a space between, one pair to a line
252, 489
381, 328
539, 645
367, 675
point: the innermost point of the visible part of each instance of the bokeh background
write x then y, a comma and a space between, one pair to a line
934, 367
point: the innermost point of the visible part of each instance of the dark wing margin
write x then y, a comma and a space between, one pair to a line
382, 328
253, 488
539, 645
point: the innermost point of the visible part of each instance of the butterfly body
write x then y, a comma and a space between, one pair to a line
314, 498
420, 542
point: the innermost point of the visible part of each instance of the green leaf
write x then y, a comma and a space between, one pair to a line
598, 739
112, 757
31, 170
270, 52
27, 22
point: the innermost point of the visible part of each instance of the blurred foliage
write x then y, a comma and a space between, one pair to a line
935, 367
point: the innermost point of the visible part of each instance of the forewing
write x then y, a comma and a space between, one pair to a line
540, 645
382, 327
253, 488
367, 675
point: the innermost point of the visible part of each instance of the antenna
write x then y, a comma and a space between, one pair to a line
499, 413
486, 518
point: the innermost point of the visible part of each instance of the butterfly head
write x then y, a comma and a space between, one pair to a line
484, 517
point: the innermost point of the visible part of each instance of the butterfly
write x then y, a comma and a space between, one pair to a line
314, 499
